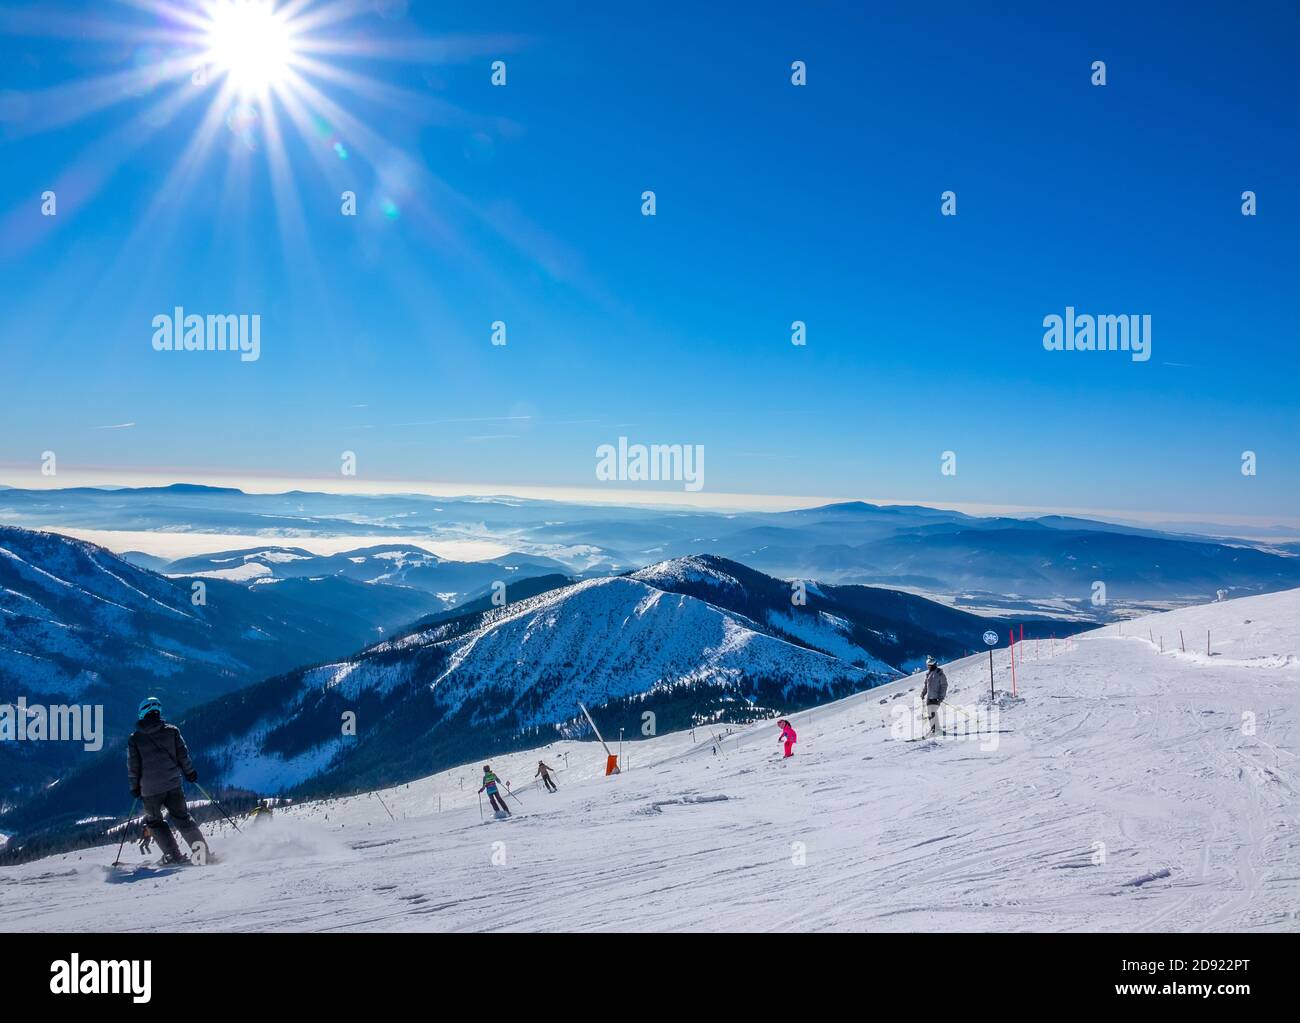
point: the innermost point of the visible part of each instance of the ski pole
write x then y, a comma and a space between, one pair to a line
208, 796
126, 824
480, 806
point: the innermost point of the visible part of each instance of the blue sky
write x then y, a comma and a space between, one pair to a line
775, 203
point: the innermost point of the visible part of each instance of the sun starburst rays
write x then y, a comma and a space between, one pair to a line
244, 60
288, 95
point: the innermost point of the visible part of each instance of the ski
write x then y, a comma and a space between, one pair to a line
149, 868
959, 735
989, 731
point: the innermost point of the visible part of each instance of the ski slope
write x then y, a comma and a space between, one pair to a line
1116, 748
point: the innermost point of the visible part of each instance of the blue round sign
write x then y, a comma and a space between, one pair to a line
991, 638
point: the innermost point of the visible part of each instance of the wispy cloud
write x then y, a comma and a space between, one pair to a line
116, 426
448, 422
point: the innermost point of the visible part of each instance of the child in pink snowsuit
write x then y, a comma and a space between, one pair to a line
787, 736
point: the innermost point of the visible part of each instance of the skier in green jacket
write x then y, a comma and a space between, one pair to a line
490, 783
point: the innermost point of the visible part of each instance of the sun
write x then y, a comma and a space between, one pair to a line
249, 43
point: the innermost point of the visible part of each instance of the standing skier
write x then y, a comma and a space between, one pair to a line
788, 737
156, 762
544, 773
490, 783
933, 691
146, 841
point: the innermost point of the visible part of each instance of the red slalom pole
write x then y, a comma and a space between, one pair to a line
1013, 660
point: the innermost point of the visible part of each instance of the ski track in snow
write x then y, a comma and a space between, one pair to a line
1114, 743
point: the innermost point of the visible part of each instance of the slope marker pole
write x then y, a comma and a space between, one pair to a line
611, 761
1013, 660
385, 806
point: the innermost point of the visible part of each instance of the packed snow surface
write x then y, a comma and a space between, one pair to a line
1125, 789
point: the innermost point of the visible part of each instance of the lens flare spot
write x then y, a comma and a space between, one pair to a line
245, 123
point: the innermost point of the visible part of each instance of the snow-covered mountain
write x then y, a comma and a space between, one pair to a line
1035, 560
865, 625
483, 680
453, 582
1126, 789
78, 624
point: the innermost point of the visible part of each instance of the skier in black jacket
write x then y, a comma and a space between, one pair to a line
156, 762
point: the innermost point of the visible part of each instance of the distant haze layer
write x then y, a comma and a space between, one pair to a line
187, 544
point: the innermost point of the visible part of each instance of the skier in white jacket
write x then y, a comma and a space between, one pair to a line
934, 689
